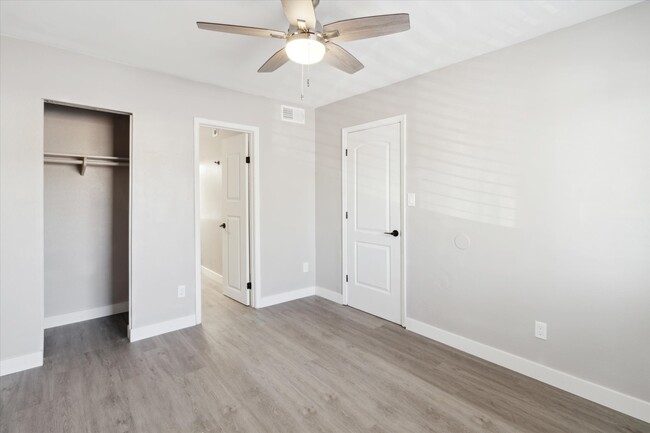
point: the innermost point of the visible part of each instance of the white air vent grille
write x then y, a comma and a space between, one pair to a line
292, 114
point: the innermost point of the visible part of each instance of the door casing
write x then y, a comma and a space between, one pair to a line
254, 207
401, 119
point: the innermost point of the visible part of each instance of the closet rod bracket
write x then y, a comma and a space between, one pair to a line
84, 165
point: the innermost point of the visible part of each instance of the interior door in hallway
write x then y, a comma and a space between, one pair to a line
236, 228
374, 220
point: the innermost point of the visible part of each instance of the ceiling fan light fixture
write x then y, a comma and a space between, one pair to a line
305, 48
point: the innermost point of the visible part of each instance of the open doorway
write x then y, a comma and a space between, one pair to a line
225, 211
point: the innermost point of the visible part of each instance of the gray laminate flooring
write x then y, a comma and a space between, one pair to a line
304, 366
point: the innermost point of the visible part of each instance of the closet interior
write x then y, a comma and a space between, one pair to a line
86, 210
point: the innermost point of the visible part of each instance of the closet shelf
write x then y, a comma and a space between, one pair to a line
85, 160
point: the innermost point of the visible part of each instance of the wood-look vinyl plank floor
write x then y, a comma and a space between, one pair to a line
304, 366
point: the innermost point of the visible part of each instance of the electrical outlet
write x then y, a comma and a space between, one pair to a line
181, 291
305, 267
540, 330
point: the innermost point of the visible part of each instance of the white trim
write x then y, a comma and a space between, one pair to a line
209, 273
401, 119
80, 316
329, 295
344, 220
131, 302
149, 331
403, 218
607, 397
254, 214
20, 363
280, 298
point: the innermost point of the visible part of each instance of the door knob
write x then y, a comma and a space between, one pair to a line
222, 225
393, 233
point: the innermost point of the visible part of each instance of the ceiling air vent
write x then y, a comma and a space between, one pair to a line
292, 114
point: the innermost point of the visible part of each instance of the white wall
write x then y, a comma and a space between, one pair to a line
540, 153
163, 249
210, 179
86, 218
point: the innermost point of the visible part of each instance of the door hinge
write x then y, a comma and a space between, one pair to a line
346, 152
249, 286
346, 278
248, 160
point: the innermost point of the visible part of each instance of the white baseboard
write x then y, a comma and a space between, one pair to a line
136, 334
209, 273
20, 363
607, 397
285, 297
329, 295
80, 316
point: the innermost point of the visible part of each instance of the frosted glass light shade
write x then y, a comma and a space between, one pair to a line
305, 49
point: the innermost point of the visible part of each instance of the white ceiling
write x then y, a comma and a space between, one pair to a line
162, 36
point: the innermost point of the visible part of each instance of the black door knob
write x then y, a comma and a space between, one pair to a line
222, 225
393, 233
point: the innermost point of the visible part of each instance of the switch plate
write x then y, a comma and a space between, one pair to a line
305, 267
540, 330
181, 291
411, 199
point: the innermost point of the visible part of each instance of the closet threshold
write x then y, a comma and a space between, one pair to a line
85, 160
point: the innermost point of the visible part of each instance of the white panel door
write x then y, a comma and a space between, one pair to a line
374, 221
235, 200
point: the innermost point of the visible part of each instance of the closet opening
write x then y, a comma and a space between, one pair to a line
87, 205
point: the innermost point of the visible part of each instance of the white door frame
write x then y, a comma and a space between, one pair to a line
254, 203
344, 200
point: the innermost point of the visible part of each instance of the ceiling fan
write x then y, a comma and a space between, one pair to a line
309, 42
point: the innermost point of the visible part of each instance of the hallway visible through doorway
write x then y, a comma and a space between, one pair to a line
224, 210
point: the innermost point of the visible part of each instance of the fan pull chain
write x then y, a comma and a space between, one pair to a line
308, 56
302, 77
302, 82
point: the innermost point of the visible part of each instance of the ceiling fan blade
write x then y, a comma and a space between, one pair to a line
278, 59
300, 10
367, 27
338, 57
242, 30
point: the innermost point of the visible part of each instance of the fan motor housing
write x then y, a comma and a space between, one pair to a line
294, 30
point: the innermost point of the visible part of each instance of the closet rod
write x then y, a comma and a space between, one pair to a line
85, 161
94, 163
71, 155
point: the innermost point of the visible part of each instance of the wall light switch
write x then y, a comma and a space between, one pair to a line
305, 267
181, 291
540, 330
411, 199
